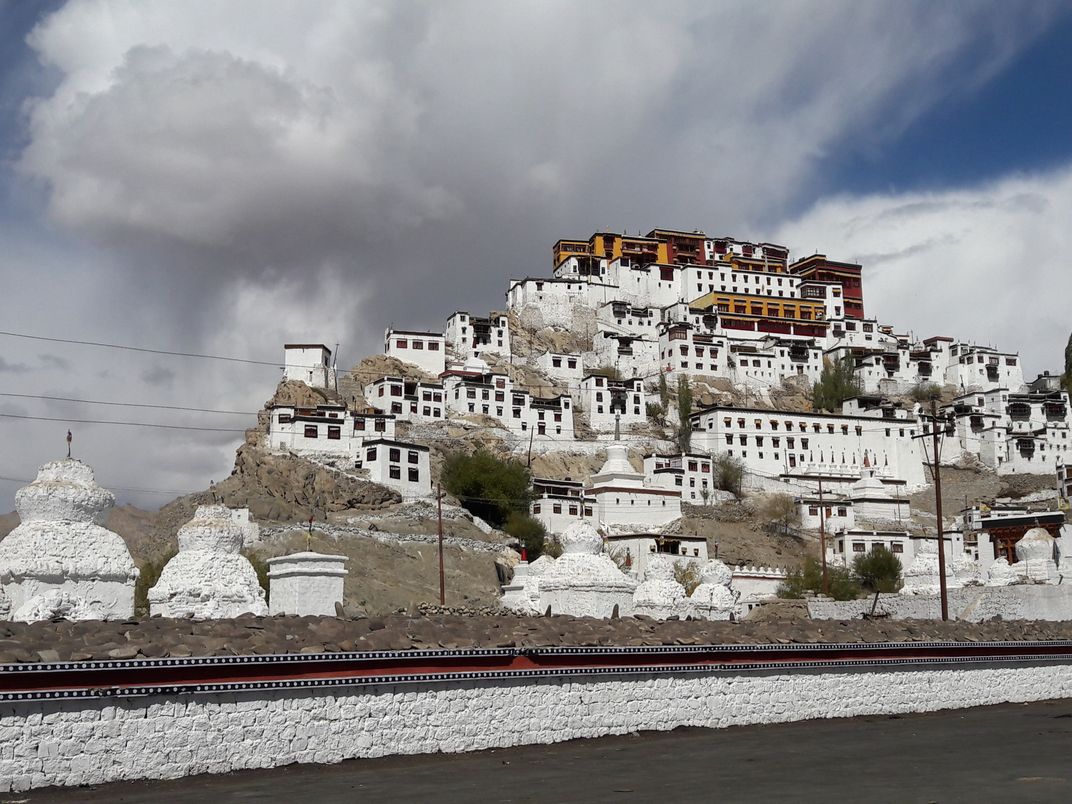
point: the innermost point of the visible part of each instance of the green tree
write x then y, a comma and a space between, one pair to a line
530, 532
486, 486
836, 384
728, 474
684, 412
664, 391
925, 392
877, 571
809, 578
1066, 380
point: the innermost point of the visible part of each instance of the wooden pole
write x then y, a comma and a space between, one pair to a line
938, 510
822, 539
442, 584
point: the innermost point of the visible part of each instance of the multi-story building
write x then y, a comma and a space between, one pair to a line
426, 350
309, 363
1064, 483
848, 275
408, 399
630, 355
685, 349
1011, 432
779, 447
567, 368
689, 473
326, 429
493, 394
610, 403
399, 465
472, 336
557, 504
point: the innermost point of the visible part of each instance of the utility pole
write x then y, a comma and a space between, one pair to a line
938, 509
822, 539
532, 434
439, 507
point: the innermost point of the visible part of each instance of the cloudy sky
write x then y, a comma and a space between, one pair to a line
219, 178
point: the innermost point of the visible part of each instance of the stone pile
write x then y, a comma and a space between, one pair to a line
62, 640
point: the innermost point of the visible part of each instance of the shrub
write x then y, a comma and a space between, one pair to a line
656, 412
260, 565
781, 508
687, 573
530, 532
149, 574
878, 571
809, 578
486, 486
728, 474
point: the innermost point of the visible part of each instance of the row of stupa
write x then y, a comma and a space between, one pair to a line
62, 562
585, 582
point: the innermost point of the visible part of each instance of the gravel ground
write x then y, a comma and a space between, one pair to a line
156, 637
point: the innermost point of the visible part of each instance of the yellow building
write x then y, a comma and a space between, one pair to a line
611, 246
747, 304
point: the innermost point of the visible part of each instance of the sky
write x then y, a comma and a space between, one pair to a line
221, 178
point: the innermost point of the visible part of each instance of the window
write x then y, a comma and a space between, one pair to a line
896, 547
413, 456
370, 454
556, 508
334, 433
284, 418
858, 547
359, 425
381, 426
414, 475
433, 346
535, 508
401, 344
813, 510
418, 345
395, 455
310, 431
395, 472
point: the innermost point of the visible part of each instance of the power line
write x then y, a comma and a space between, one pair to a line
130, 404
140, 349
111, 487
122, 424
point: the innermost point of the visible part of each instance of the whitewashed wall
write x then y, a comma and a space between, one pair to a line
93, 742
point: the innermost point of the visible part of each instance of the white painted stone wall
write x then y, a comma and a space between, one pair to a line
155, 737
972, 603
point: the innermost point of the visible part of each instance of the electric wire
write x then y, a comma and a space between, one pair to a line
129, 404
100, 344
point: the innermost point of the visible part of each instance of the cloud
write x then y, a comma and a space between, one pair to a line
223, 177
158, 375
54, 361
985, 263
12, 368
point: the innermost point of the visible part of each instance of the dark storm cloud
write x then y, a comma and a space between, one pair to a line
229, 176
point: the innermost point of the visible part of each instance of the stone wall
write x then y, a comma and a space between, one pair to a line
91, 742
972, 603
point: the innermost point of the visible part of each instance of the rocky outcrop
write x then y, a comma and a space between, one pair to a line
283, 488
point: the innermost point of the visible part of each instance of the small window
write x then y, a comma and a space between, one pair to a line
284, 418
370, 454
412, 456
418, 345
395, 472
310, 431
395, 455
334, 433
433, 346
381, 426
414, 475
401, 344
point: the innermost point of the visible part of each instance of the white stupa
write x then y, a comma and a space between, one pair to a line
713, 599
1036, 550
583, 581
209, 578
659, 595
1002, 573
522, 594
872, 501
60, 561
922, 576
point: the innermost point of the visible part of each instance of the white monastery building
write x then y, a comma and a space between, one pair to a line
309, 363
472, 336
399, 465
426, 350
